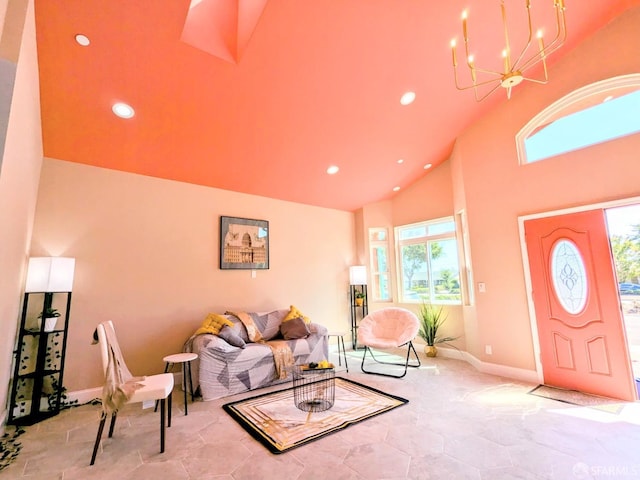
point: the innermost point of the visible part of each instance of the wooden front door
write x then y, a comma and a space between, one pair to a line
580, 327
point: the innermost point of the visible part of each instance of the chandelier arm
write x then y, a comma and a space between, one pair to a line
528, 44
475, 85
542, 82
537, 57
490, 72
534, 60
475, 92
516, 65
556, 43
561, 32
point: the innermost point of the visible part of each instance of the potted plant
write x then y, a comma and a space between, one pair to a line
50, 316
431, 319
359, 296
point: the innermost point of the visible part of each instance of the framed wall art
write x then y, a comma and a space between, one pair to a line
244, 244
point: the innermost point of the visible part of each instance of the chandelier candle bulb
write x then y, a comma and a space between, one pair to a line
464, 25
507, 59
453, 53
540, 43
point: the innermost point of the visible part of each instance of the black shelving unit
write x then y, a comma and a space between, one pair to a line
358, 312
36, 390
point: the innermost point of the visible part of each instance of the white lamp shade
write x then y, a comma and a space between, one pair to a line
358, 275
50, 274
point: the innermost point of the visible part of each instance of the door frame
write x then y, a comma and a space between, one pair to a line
527, 272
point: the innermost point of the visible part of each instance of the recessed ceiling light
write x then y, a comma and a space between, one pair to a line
82, 40
427, 166
123, 110
408, 98
396, 189
400, 160
332, 170
610, 97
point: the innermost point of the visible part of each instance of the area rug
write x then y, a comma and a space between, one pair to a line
275, 421
571, 396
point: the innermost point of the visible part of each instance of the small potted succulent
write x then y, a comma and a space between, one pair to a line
50, 316
359, 296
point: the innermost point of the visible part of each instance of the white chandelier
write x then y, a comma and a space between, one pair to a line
512, 72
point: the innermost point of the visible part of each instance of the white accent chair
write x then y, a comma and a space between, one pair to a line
389, 328
154, 387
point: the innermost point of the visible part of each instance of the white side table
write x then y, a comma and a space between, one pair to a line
340, 337
185, 359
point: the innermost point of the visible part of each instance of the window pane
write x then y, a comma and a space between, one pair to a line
445, 271
439, 228
380, 259
381, 287
378, 234
428, 257
414, 271
602, 122
413, 232
569, 276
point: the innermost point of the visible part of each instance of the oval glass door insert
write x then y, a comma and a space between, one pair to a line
569, 276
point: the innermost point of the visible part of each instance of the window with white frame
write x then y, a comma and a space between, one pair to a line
428, 267
379, 257
597, 113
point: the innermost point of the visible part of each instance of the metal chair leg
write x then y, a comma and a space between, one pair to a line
162, 414
190, 382
169, 401
103, 419
184, 382
344, 353
113, 423
410, 348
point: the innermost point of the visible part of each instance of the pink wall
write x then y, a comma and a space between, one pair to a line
146, 254
497, 189
429, 198
19, 175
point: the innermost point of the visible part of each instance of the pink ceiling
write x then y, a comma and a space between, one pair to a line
275, 91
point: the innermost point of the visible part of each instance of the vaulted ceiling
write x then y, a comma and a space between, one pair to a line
262, 96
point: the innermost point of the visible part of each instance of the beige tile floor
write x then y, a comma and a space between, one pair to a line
458, 424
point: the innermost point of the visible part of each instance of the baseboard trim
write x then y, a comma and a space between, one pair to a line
84, 396
521, 374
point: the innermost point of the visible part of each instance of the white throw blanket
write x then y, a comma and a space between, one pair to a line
119, 384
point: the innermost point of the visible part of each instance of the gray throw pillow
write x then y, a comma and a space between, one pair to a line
294, 329
268, 324
231, 337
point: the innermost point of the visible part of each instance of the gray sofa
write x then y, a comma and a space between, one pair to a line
223, 369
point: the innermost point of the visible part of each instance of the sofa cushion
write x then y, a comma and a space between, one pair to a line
295, 313
231, 337
212, 324
294, 329
238, 328
268, 324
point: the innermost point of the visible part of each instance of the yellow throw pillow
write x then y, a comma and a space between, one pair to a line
295, 313
213, 323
